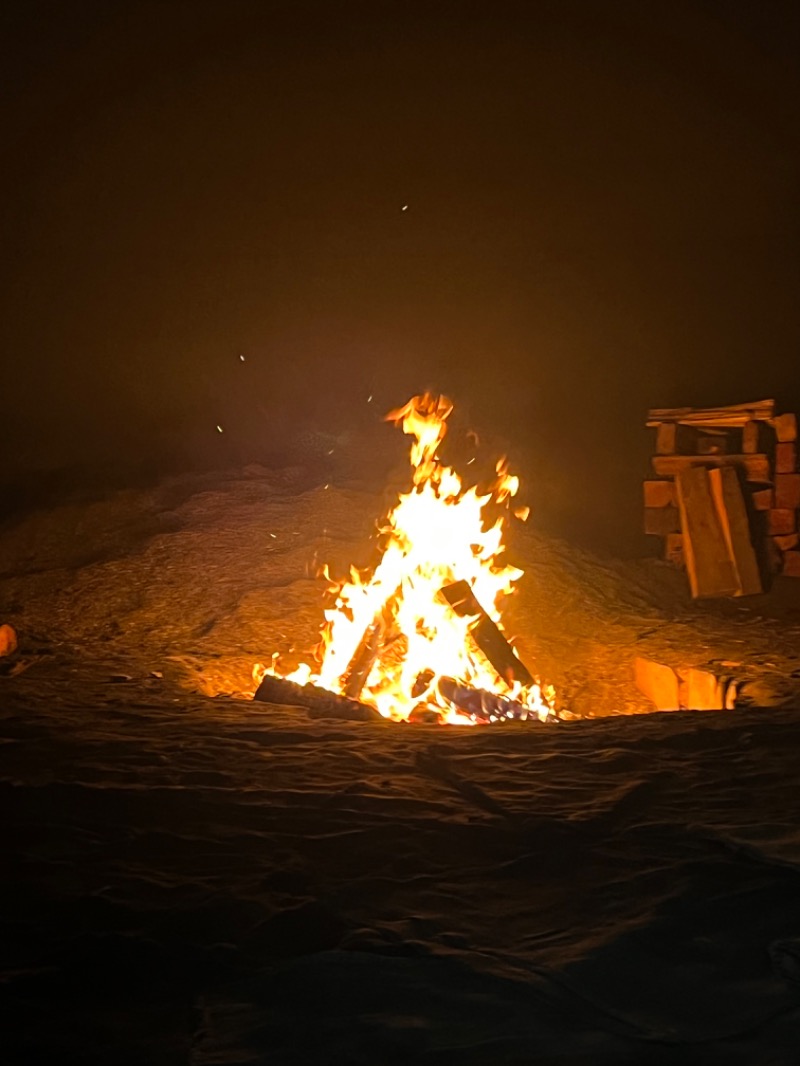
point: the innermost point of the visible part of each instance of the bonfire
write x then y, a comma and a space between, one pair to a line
421, 635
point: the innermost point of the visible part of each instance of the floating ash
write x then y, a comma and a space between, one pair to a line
422, 634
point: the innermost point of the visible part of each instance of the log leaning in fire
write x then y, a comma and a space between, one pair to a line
486, 634
364, 659
317, 701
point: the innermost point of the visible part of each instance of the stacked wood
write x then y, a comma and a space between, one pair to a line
750, 488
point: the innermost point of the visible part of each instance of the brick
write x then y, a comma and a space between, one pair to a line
787, 491
762, 499
659, 494
786, 458
659, 521
780, 522
785, 427
787, 542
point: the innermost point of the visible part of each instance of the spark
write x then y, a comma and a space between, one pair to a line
471, 461
274, 536
404, 207
241, 358
369, 399
220, 429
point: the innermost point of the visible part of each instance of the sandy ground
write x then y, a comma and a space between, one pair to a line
189, 877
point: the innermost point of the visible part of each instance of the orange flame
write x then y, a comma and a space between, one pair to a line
394, 623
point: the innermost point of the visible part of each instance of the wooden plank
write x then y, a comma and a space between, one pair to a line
781, 521
791, 564
787, 491
658, 521
733, 415
659, 494
756, 467
732, 513
708, 564
762, 499
785, 427
673, 550
785, 457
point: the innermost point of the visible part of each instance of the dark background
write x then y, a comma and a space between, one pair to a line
602, 217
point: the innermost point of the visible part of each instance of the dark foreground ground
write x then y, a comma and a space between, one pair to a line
189, 877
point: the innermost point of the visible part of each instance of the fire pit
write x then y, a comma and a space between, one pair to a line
420, 637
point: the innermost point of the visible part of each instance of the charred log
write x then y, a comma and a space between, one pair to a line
481, 705
486, 634
318, 702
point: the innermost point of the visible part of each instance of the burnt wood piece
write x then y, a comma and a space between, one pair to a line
734, 415
487, 635
756, 467
317, 701
484, 706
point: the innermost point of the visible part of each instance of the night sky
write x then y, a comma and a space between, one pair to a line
602, 216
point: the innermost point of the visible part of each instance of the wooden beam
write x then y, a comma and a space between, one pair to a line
733, 415
757, 467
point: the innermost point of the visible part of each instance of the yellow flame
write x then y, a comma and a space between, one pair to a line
437, 534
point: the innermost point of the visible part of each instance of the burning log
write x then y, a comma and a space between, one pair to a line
364, 659
486, 634
317, 701
481, 705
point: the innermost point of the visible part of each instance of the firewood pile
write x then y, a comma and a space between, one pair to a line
726, 495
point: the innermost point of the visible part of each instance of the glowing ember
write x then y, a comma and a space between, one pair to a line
392, 639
